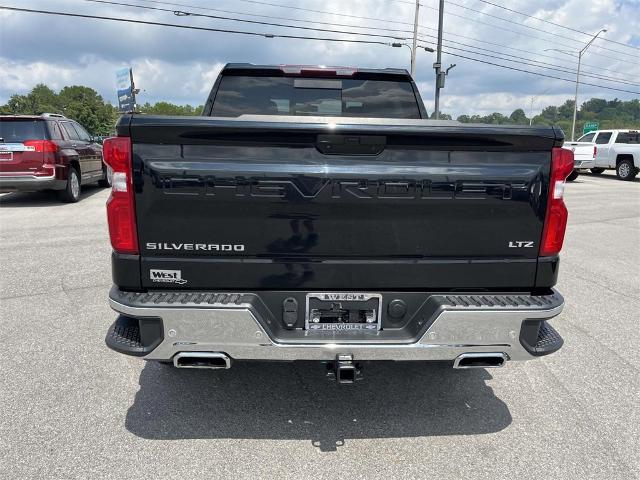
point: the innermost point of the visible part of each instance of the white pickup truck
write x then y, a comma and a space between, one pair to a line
607, 149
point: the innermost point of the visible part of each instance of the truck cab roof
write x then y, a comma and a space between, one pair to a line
614, 130
312, 70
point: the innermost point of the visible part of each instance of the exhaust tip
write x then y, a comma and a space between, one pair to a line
212, 360
480, 360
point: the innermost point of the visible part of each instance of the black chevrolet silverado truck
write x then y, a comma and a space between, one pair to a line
314, 213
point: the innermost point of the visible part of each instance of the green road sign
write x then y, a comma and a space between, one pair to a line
590, 127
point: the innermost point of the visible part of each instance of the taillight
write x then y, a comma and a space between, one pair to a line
43, 146
49, 150
555, 221
121, 213
595, 151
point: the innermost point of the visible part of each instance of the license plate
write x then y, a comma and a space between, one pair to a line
6, 156
343, 312
16, 147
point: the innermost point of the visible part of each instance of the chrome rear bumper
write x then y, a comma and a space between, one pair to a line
588, 163
462, 325
29, 183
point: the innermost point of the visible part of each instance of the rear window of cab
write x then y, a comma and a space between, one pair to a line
628, 137
247, 95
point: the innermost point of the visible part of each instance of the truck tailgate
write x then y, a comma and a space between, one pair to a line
318, 203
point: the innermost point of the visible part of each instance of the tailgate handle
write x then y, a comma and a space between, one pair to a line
351, 144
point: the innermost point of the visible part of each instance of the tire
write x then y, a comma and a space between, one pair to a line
597, 170
71, 192
572, 176
107, 174
626, 170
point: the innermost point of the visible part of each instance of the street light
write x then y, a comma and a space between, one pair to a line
400, 45
575, 98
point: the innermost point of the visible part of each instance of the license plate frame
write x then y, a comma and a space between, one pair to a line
349, 298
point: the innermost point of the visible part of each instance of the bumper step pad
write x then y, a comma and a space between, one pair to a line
164, 299
549, 340
524, 302
235, 300
135, 336
539, 338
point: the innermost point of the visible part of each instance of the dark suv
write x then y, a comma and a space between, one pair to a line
48, 152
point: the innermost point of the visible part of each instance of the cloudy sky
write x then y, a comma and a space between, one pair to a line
180, 65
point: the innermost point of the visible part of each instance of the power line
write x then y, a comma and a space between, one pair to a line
525, 60
193, 27
370, 27
279, 5
408, 2
255, 22
421, 37
530, 27
514, 49
273, 17
484, 62
558, 68
556, 24
572, 47
521, 61
535, 63
269, 35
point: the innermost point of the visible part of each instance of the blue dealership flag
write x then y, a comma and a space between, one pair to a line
126, 98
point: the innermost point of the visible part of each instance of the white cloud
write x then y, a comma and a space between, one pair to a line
181, 65
16, 76
191, 82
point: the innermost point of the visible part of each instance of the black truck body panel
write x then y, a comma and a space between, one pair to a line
320, 203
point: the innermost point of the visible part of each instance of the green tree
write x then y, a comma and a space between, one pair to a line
443, 116
495, 118
98, 117
608, 113
595, 105
518, 117
39, 100
84, 105
166, 108
548, 116
565, 111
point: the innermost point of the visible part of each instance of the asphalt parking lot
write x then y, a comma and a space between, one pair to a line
71, 408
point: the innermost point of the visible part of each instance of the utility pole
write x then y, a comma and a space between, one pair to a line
533, 98
575, 98
438, 65
531, 112
415, 39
